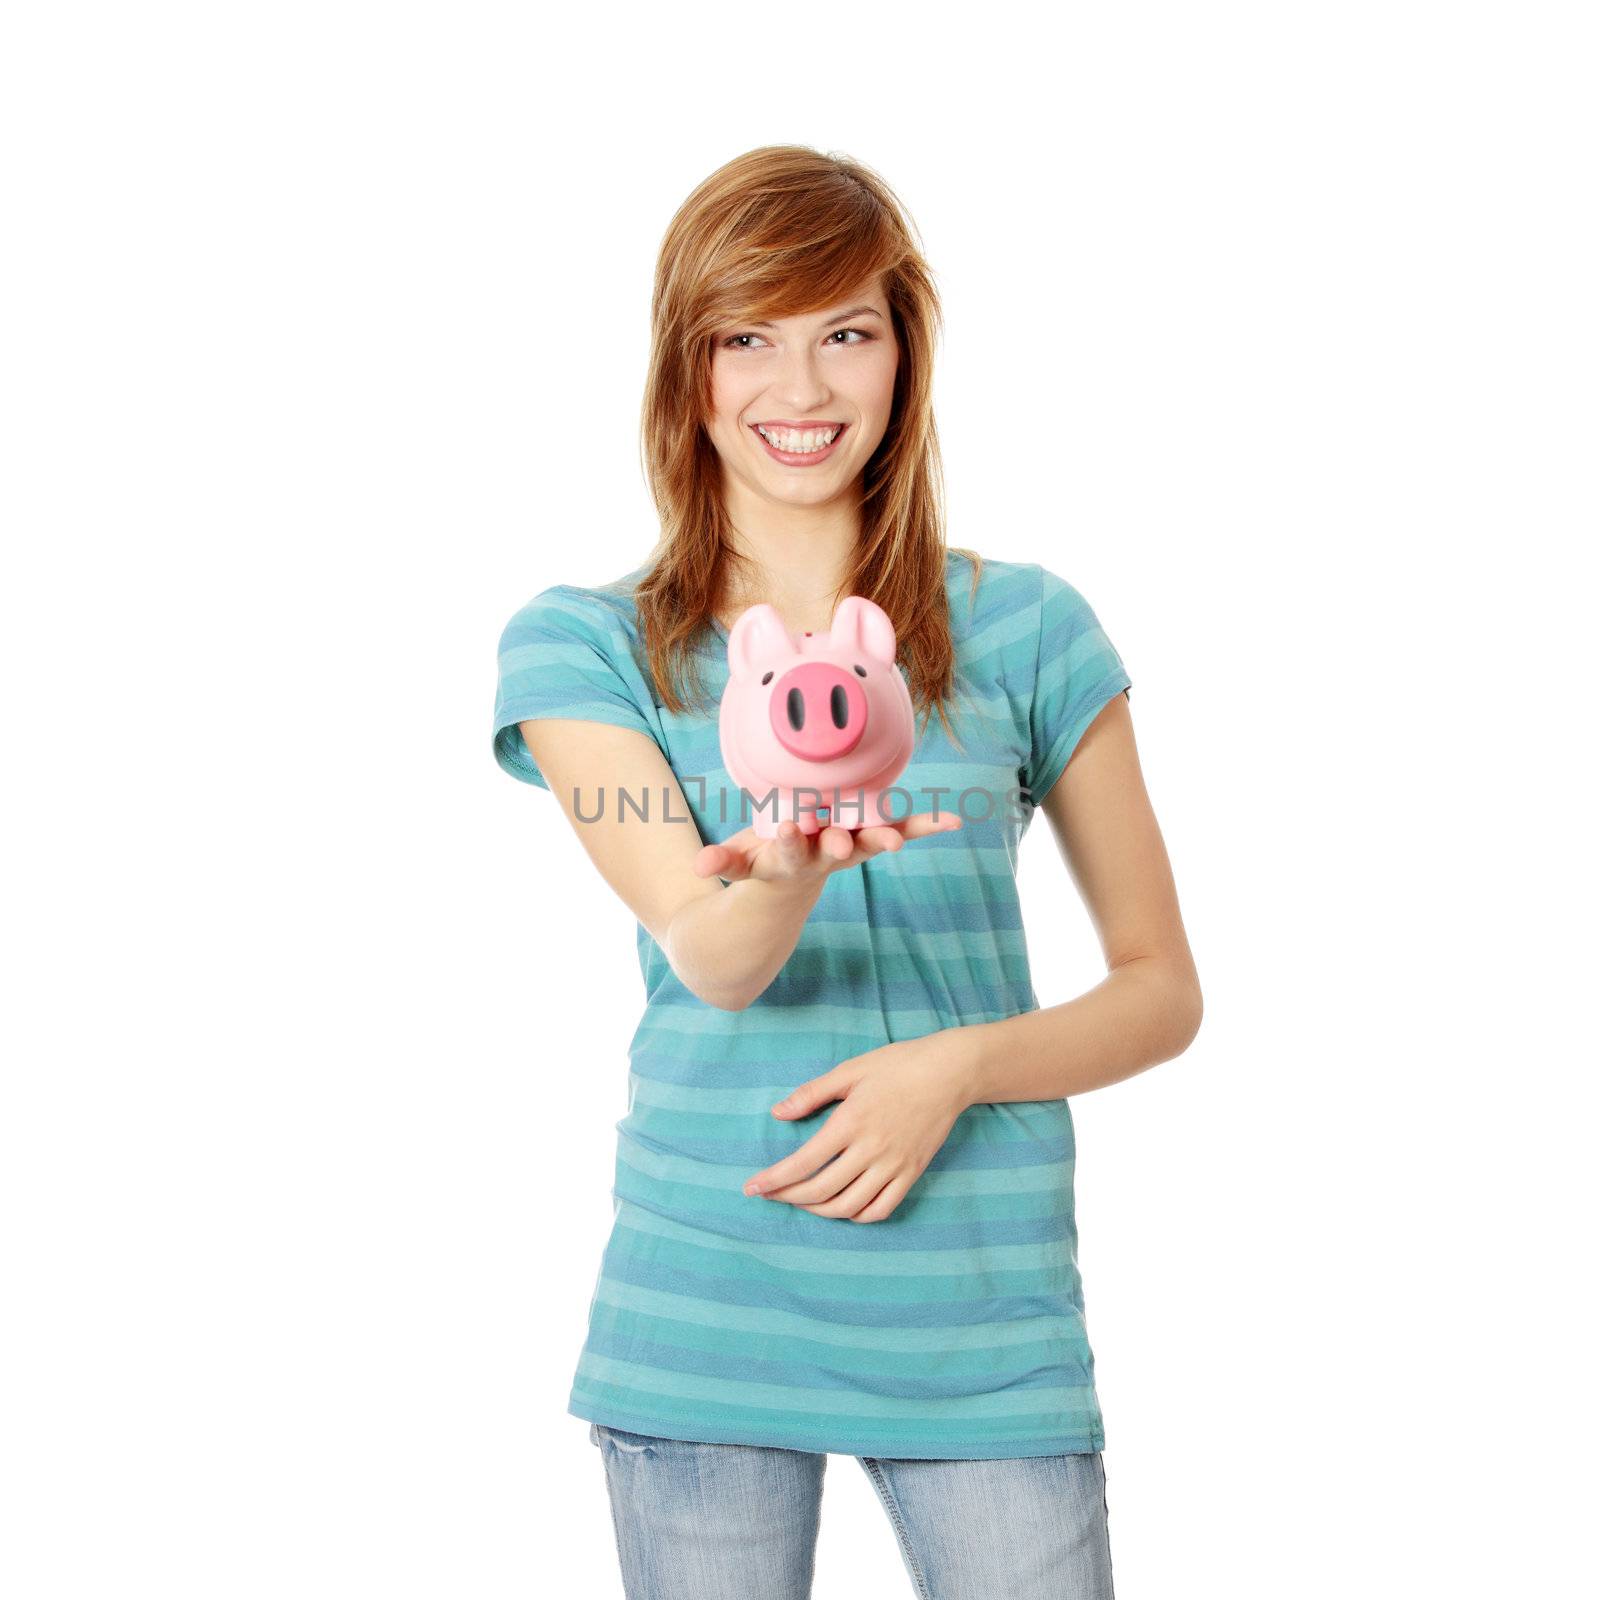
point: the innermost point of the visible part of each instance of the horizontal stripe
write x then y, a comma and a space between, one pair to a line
1015, 1268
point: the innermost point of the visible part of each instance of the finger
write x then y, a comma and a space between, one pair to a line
855, 1197
881, 839
888, 1199
923, 823
822, 1146
719, 861
827, 1186
794, 848
836, 843
736, 854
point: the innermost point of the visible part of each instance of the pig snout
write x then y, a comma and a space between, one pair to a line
819, 712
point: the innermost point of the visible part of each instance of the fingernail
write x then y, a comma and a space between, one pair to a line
752, 1187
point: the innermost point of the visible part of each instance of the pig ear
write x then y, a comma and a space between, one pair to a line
862, 624
758, 638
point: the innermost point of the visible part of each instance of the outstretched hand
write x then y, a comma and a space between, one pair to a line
793, 854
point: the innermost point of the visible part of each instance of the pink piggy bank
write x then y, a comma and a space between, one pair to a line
824, 721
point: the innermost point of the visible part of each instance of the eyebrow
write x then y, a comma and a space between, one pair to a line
844, 316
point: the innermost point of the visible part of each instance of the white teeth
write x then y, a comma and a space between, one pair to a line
798, 443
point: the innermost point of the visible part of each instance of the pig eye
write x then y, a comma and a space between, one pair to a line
768, 679
861, 672
838, 706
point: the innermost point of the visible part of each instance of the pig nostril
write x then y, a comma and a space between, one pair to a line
797, 710
839, 706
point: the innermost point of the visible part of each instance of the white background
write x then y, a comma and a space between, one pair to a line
1271, 327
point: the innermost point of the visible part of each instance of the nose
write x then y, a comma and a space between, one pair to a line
800, 387
819, 712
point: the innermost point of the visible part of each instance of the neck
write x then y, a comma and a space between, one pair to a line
795, 557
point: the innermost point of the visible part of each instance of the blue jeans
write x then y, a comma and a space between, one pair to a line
732, 1521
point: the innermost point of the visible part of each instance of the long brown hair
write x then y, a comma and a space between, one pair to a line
777, 232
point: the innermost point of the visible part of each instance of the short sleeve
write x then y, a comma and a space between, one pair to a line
562, 655
1079, 670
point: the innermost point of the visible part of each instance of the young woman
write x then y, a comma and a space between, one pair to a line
843, 1187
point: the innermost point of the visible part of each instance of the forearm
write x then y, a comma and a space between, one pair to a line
1142, 1013
728, 947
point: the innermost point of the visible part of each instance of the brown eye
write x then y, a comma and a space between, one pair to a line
861, 672
766, 680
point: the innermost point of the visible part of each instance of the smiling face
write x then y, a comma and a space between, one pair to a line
800, 405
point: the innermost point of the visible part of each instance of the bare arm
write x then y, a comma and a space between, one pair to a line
1148, 1007
726, 943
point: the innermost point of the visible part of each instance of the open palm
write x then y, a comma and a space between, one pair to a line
793, 854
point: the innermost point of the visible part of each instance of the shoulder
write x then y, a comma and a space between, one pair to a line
600, 615
1012, 602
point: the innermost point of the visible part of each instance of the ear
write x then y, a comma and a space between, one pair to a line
758, 637
861, 624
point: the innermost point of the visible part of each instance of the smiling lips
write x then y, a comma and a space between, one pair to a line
799, 444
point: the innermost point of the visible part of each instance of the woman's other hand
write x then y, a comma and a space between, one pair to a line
898, 1105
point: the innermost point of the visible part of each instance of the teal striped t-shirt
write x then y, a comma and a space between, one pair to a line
955, 1327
